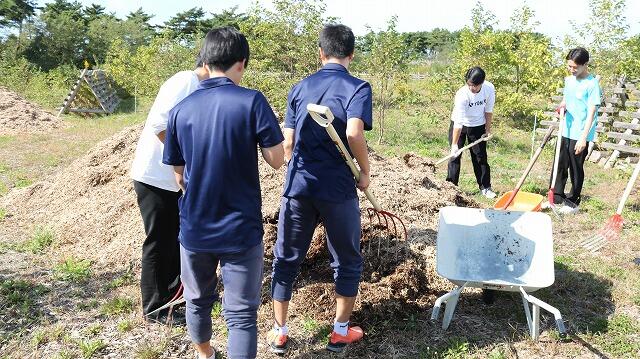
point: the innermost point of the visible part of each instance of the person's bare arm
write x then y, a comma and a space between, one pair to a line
358, 146
582, 142
488, 117
274, 155
289, 139
162, 135
179, 173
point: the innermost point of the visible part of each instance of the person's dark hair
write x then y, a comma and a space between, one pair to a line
223, 47
337, 41
198, 60
476, 75
579, 55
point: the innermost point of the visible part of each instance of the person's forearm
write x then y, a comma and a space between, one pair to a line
455, 135
358, 146
162, 135
488, 117
289, 137
179, 174
587, 126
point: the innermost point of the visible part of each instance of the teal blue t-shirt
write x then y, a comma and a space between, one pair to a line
579, 95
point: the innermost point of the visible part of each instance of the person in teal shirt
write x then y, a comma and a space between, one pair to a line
581, 98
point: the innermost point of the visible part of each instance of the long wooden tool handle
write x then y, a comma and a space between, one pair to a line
529, 167
556, 159
316, 113
481, 139
627, 190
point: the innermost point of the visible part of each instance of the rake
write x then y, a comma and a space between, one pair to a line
323, 116
556, 160
613, 227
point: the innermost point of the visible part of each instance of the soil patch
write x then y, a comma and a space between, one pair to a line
18, 115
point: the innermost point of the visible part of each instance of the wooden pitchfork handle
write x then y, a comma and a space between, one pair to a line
481, 139
323, 116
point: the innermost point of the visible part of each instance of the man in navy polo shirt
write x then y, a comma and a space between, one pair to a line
320, 187
212, 139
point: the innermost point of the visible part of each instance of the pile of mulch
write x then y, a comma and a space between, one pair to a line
18, 116
92, 208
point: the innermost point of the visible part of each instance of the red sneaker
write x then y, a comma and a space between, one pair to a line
338, 342
278, 343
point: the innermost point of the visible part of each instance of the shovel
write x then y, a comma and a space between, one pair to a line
323, 116
500, 204
481, 139
613, 227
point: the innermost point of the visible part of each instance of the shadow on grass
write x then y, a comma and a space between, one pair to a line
584, 300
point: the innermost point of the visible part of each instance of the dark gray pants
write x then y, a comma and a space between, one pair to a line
242, 279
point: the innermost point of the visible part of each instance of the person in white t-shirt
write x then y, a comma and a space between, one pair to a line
470, 119
157, 194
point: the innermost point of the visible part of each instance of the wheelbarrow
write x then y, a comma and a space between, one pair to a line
498, 250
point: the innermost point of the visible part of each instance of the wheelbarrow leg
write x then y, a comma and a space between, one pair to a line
450, 300
534, 319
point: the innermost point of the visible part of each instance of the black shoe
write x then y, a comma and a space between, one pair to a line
488, 296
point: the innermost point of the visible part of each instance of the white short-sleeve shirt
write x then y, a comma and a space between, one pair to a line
147, 164
469, 108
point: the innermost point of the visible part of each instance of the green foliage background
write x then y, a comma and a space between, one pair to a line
43, 50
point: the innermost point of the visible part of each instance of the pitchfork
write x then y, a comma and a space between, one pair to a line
323, 116
613, 227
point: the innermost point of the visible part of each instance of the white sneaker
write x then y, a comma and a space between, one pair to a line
487, 192
568, 209
545, 205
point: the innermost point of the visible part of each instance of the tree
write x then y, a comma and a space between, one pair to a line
13, 13
93, 12
191, 22
603, 34
284, 46
386, 64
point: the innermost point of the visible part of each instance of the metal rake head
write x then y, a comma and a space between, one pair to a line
385, 218
611, 231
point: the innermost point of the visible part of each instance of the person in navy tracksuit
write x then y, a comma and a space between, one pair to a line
211, 140
319, 186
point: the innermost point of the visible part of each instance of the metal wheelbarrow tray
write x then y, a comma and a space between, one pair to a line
499, 250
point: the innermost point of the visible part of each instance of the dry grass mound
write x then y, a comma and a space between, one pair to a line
18, 115
91, 206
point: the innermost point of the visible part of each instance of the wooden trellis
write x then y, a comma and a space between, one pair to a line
92, 93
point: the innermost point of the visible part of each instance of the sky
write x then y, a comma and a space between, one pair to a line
413, 15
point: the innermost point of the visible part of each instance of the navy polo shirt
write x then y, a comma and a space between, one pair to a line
214, 132
317, 170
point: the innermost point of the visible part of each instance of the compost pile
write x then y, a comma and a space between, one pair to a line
92, 208
18, 115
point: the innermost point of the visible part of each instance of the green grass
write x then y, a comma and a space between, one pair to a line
90, 304
41, 239
618, 336
117, 306
3, 213
216, 310
123, 280
94, 329
125, 326
73, 270
149, 351
456, 348
89, 348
